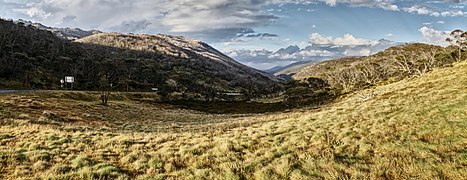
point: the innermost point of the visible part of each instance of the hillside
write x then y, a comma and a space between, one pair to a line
175, 46
317, 69
390, 65
411, 129
34, 58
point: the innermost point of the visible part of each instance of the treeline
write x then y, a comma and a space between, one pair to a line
393, 64
32, 58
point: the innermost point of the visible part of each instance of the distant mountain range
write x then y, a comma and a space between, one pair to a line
265, 59
286, 72
64, 33
314, 54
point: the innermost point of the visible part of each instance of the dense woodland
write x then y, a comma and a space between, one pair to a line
36, 59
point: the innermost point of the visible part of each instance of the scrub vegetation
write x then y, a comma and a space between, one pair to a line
411, 129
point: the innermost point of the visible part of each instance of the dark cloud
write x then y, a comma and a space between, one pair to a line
220, 35
262, 35
245, 32
68, 18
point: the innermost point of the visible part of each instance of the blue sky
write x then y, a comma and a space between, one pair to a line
254, 31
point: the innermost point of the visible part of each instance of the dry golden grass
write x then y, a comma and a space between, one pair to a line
413, 129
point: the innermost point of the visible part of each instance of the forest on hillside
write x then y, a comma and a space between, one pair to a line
36, 59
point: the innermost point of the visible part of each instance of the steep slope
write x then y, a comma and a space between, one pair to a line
174, 46
37, 58
412, 129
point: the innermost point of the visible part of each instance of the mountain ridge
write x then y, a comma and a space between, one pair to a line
64, 33
172, 45
43, 59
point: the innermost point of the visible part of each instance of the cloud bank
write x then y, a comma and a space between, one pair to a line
320, 48
433, 36
205, 18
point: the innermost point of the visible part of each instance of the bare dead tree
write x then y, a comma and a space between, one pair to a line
402, 63
369, 73
104, 96
428, 62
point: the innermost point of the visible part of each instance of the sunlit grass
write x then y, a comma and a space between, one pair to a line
413, 129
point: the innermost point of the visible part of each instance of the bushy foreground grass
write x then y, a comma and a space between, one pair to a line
413, 129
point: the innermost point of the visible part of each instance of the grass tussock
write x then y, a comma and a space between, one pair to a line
412, 129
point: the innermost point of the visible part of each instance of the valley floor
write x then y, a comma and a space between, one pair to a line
413, 129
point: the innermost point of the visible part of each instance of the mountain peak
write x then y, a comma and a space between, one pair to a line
64, 33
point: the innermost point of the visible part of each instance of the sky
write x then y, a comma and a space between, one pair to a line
261, 33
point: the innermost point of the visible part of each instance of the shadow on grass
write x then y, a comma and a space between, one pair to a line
294, 100
236, 107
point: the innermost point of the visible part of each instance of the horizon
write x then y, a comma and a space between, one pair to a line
261, 34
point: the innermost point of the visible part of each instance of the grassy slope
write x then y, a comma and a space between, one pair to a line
410, 129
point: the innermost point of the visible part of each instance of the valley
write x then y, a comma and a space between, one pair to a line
414, 128
160, 106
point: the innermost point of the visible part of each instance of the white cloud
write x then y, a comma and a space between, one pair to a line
434, 36
457, 6
384, 4
282, 56
365, 52
300, 55
417, 9
204, 17
34, 12
453, 13
346, 40
314, 52
331, 2
318, 48
184, 16
391, 7
357, 52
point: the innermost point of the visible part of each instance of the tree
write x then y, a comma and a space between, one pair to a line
458, 38
104, 95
